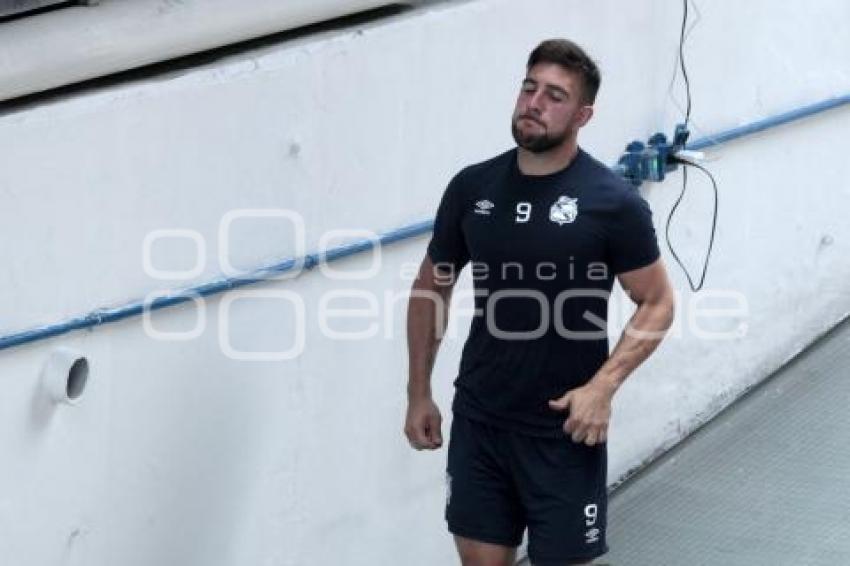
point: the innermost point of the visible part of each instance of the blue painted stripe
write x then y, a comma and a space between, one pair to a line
105, 315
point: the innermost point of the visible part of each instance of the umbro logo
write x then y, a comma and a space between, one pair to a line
483, 206
591, 535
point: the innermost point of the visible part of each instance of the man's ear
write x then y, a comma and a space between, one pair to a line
585, 113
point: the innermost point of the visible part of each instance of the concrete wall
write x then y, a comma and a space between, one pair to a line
85, 40
179, 454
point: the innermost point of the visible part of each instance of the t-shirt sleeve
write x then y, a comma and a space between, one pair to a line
447, 247
632, 242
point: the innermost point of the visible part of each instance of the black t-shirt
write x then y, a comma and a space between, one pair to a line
543, 251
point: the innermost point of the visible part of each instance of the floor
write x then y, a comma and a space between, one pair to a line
767, 482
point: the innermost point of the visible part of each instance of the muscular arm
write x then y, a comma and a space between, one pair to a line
427, 317
650, 289
590, 405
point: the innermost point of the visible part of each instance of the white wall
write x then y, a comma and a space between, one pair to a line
78, 42
177, 454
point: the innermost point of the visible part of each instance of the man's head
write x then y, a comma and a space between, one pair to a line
557, 96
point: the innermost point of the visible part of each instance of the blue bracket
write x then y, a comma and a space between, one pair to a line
653, 160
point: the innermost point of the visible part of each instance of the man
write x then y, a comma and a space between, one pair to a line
547, 228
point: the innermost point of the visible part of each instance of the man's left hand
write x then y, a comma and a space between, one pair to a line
590, 411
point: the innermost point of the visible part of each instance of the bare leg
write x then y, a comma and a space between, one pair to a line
574, 563
477, 553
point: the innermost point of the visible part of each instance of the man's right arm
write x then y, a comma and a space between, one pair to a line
427, 318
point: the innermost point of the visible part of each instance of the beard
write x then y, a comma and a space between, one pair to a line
537, 143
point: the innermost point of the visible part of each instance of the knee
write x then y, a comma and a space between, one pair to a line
474, 553
477, 559
568, 563
485, 561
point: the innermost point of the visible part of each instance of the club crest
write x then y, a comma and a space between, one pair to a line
564, 210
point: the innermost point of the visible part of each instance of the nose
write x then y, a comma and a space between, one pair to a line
535, 103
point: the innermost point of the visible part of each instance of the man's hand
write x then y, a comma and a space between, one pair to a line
422, 425
590, 411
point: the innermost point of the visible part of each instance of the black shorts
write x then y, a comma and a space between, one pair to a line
499, 482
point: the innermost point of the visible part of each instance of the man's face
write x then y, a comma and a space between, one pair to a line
549, 109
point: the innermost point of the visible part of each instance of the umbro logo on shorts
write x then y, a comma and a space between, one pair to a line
591, 512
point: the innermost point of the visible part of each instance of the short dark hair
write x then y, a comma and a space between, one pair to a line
571, 57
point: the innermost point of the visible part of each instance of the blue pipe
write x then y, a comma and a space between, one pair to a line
769, 122
135, 308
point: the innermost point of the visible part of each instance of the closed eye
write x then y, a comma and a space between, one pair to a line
554, 93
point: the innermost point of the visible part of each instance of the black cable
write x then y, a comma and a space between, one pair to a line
685, 165
682, 61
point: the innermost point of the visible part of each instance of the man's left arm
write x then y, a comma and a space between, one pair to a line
590, 405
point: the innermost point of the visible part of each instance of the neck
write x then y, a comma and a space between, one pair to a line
548, 162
